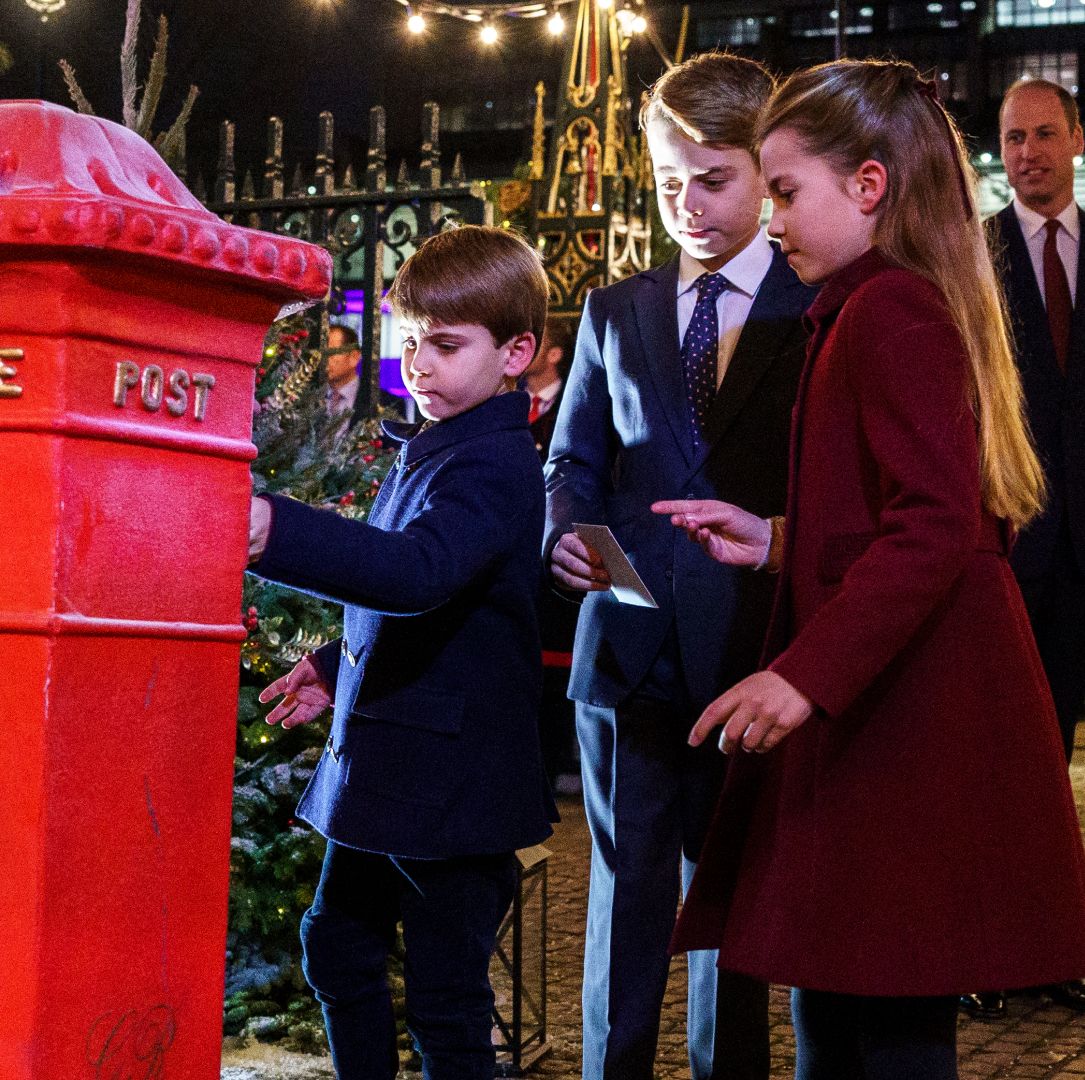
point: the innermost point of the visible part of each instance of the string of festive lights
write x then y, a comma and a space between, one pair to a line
630, 19
45, 8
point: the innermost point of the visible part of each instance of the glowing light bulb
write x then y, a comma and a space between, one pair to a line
488, 34
606, 4
1077, 161
639, 25
416, 24
985, 157
556, 24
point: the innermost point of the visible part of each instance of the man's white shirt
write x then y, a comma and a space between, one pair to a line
744, 274
1067, 242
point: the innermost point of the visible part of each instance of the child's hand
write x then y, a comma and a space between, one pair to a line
755, 713
259, 527
727, 533
577, 566
304, 696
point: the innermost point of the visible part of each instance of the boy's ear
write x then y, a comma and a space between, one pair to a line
521, 353
867, 185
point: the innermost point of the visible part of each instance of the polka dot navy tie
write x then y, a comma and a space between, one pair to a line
700, 352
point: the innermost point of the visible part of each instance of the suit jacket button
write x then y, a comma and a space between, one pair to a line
668, 574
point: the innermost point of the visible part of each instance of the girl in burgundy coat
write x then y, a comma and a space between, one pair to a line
904, 830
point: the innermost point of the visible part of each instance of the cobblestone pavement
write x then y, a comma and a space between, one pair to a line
1036, 1040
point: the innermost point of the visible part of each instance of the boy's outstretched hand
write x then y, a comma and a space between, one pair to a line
727, 533
577, 566
755, 714
259, 527
304, 696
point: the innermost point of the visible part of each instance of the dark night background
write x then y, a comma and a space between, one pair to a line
293, 58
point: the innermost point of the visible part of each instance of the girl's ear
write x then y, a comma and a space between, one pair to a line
521, 353
867, 185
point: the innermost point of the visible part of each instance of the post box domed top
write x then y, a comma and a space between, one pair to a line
74, 181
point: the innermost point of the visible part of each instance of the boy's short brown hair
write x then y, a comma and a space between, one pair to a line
478, 275
713, 98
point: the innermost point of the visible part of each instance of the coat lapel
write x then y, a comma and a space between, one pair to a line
1026, 305
1075, 364
771, 321
655, 309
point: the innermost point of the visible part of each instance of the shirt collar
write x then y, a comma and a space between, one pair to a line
549, 391
744, 272
348, 391
1032, 222
500, 413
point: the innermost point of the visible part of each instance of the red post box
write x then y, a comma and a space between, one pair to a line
131, 322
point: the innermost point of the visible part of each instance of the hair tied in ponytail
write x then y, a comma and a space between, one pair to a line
928, 89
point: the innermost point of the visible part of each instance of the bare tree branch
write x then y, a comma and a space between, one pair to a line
128, 64
156, 78
169, 144
75, 89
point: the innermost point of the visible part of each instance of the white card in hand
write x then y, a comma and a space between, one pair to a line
625, 583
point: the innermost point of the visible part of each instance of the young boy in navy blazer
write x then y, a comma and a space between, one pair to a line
432, 774
683, 381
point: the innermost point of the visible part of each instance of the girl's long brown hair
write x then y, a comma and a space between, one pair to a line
848, 112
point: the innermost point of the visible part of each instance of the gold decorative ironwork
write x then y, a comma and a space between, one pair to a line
512, 195
584, 66
9, 390
611, 149
538, 135
590, 207
680, 48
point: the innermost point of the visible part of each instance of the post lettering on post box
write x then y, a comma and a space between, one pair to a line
157, 389
7, 389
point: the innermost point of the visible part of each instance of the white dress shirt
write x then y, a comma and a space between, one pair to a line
546, 396
1067, 242
342, 400
744, 274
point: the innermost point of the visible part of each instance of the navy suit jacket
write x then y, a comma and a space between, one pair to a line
434, 749
1055, 401
623, 440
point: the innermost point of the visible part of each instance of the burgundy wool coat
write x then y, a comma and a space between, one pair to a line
917, 835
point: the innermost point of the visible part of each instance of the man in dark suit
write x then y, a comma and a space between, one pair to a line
682, 385
544, 381
1038, 237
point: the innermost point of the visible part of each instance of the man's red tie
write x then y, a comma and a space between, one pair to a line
536, 406
1057, 296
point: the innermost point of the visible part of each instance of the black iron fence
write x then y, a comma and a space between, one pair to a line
370, 228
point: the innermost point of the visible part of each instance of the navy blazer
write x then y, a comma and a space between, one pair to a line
434, 749
1055, 401
623, 440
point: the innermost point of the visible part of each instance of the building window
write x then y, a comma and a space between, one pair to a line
821, 22
738, 31
1056, 67
1038, 12
926, 14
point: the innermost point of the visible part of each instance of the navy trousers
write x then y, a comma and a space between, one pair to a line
851, 1037
649, 797
451, 910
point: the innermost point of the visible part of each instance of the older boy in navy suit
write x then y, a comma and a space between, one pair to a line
683, 382
432, 774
